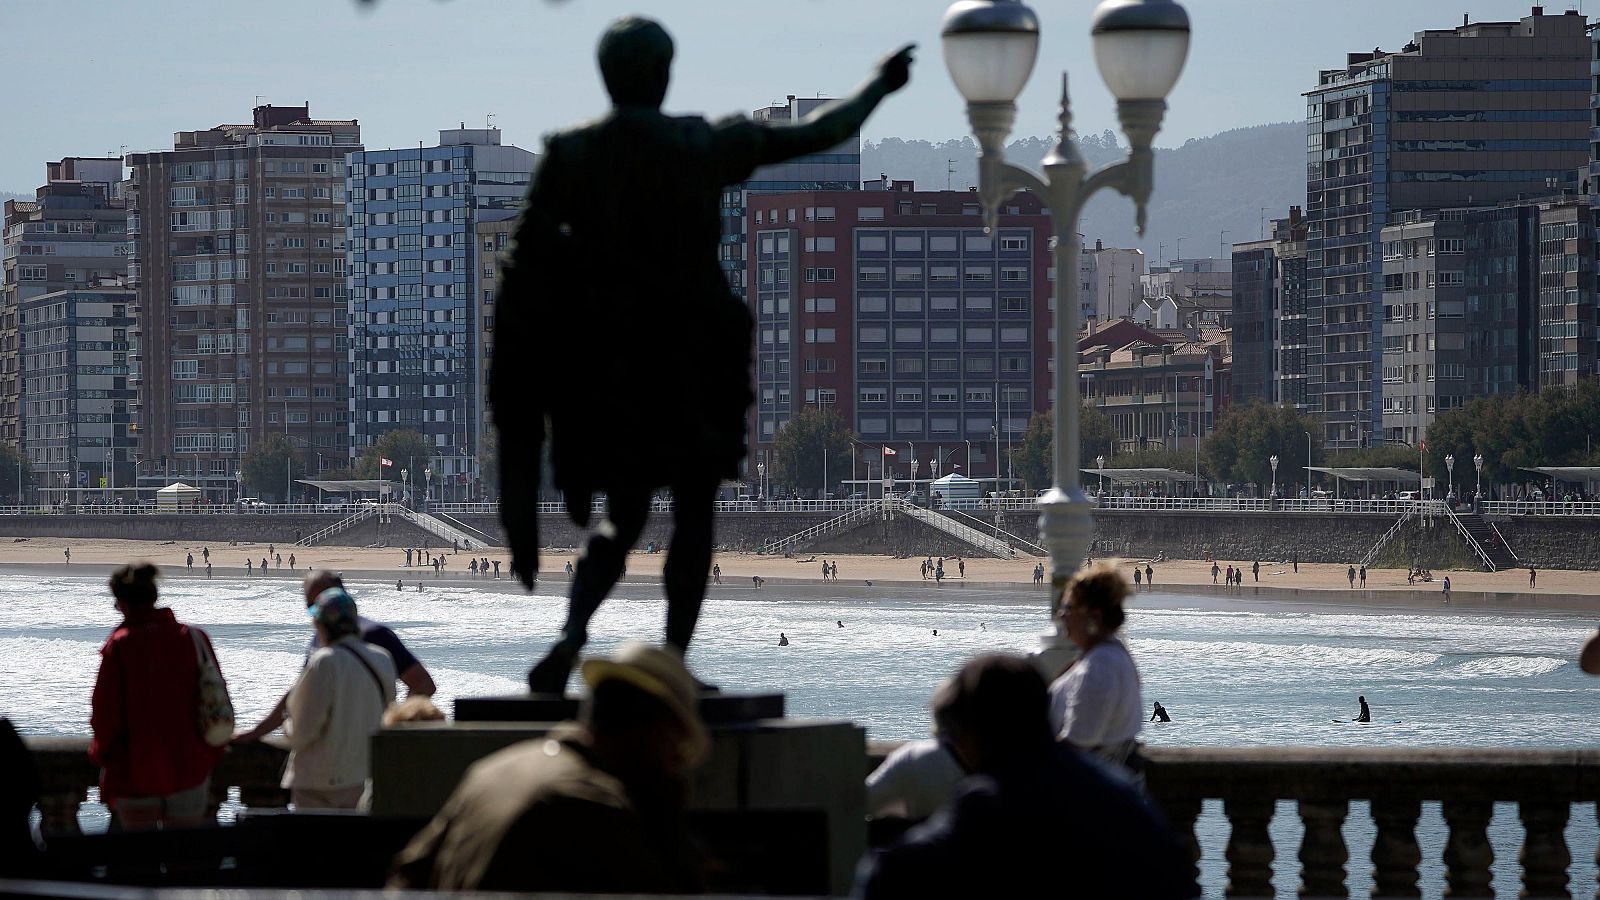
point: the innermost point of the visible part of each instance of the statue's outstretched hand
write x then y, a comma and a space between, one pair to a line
895, 70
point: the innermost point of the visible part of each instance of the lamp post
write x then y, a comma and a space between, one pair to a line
761, 481
1308, 466
1477, 461
1273, 462
405, 479
1450, 472
427, 485
1100, 463
990, 47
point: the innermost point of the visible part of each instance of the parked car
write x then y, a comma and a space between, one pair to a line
251, 502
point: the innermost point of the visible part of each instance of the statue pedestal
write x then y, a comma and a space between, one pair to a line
795, 773
715, 709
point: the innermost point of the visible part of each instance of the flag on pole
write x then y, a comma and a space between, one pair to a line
888, 451
385, 462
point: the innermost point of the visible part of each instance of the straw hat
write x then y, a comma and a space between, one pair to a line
661, 674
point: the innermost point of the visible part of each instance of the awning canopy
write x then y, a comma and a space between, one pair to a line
349, 487
178, 487
1381, 475
1574, 474
1140, 476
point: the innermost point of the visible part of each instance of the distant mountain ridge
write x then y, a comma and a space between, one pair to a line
1202, 188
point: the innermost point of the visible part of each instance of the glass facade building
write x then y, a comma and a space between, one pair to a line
414, 276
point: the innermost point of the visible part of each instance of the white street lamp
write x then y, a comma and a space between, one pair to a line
427, 485
1100, 463
1477, 461
1273, 462
761, 481
1450, 470
990, 47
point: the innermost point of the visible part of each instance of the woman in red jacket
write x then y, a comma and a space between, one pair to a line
155, 767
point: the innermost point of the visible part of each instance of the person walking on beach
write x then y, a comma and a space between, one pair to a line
1350, 573
1230, 574
249, 566
835, 567
1214, 571
263, 566
756, 580
497, 570
1138, 577
1365, 714
68, 553
1255, 570
208, 568
1447, 589
716, 573
938, 573
924, 565
1149, 577
408, 557
1295, 558
1363, 576
961, 566
334, 707
291, 560
188, 562
205, 553
824, 570
155, 765
1533, 577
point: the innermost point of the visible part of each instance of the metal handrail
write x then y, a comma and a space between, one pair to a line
864, 511
360, 516
1461, 528
991, 545
1026, 544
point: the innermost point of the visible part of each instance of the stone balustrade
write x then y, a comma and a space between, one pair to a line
1249, 782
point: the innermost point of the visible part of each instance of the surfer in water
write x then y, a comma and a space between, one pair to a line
840, 622
1160, 713
1366, 714
783, 639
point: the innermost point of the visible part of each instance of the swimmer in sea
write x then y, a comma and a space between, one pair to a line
398, 586
936, 632
1366, 714
1160, 713
982, 626
783, 639
841, 622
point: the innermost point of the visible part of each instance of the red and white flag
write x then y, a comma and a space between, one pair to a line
1424, 446
385, 462
888, 451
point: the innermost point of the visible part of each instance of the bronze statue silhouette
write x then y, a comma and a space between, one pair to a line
619, 339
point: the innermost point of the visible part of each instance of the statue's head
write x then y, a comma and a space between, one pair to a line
636, 61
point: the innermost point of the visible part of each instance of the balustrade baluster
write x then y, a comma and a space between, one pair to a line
58, 810
1468, 855
1322, 849
1249, 851
1395, 853
1544, 848
1181, 815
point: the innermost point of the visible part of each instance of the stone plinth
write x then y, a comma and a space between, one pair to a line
715, 709
761, 766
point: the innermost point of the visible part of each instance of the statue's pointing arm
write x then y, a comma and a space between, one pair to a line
831, 124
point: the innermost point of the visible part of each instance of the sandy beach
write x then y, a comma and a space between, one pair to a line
1319, 582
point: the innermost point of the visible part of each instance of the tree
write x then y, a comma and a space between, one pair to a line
1552, 428
800, 445
405, 448
1247, 436
9, 473
270, 467
1034, 459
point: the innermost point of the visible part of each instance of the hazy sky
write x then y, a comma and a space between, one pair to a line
85, 77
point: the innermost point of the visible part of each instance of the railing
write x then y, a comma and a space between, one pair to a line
364, 513
1394, 530
1540, 508
988, 543
1249, 782
981, 525
1502, 539
436, 527
1472, 542
854, 516
1323, 782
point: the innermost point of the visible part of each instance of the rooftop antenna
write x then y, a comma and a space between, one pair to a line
488, 120
258, 99
949, 170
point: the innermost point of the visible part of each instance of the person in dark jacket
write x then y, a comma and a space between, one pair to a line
667, 319
1032, 812
155, 767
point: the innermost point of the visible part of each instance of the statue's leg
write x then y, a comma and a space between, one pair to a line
600, 564
689, 559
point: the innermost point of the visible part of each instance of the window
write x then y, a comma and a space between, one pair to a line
873, 304
874, 275
820, 305
942, 274
908, 425
943, 395
873, 335
946, 334
874, 366
820, 335
978, 243
874, 395
911, 304
908, 395
904, 274
980, 364
908, 334
944, 364
825, 274
942, 304
942, 244
979, 302
874, 426
1014, 242
1013, 335
908, 243
980, 274
820, 245
869, 214
942, 425
908, 365
979, 334
872, 243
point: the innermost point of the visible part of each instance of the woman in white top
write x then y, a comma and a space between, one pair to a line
334, 708
1096, 705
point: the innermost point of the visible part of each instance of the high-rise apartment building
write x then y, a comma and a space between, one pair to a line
72, 234
1269, 315
492, 238
415, 272
835, 169
1109, 283
894, 307
1464, 116
238, 234
77, 388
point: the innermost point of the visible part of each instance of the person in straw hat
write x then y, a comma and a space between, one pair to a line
594, 807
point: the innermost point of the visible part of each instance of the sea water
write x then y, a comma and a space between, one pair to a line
1231, 672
